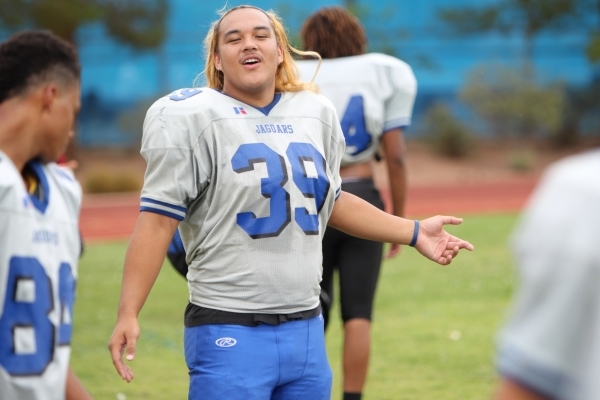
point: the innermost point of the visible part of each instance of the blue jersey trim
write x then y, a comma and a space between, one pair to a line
162, 203
42, 204
266, 109
338, 192
516, 365
62, 173
176, 246
403, 127
162, 212
396, 123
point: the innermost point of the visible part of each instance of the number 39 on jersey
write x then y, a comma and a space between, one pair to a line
272, 187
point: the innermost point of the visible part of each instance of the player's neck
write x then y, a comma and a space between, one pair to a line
260, 98
17, 134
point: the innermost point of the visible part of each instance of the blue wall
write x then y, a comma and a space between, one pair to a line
116, 77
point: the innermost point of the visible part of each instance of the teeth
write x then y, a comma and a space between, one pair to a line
251, 60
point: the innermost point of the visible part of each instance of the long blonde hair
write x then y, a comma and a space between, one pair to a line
287, 75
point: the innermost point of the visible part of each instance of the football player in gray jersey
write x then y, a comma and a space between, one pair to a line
373, 95
550, 346
39, 212
248, 169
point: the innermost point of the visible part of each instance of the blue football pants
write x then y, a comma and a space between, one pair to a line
266, 362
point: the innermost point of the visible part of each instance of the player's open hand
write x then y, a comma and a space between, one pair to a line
437, 244
123, 340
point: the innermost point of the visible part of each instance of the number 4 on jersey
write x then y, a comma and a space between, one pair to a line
354, 126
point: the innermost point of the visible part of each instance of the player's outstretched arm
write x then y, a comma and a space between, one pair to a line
359, 218
144, 258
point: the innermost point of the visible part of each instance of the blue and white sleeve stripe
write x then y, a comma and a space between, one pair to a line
396, 123
532, 373
160, 207
338, 192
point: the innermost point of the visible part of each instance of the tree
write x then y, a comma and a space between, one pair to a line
593, 47
445, 134
526, 17
139, 23
513, 104
382, 36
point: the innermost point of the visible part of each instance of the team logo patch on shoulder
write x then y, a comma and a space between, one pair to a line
184, 94
226, 342
239, 110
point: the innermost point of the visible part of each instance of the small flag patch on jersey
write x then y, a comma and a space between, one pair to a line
239, 110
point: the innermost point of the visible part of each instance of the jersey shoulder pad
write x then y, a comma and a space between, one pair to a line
386, 60
580, 169
65, 178
175, 119
317, 101
307, 68
182, 101
400, 74
9, 176
318, 98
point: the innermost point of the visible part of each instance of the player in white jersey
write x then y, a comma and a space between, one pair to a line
249, 166
39, 211
373, 95
550, 347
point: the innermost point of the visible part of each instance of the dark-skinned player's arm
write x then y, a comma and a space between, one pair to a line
74, 389
359, 218
394, 148
143, 260
511, 390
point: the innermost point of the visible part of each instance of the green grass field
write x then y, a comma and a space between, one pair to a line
433, 334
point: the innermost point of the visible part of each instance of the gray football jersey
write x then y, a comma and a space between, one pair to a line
253, 189
39, 253
551, 343
372, 94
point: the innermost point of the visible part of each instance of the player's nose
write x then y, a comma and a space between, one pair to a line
249, 45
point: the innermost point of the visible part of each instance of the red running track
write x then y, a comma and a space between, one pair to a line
113, 216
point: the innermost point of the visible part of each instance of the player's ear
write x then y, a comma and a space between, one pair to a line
48, 96
279, 54
217, 61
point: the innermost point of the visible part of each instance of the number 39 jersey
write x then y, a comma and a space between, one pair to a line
254, 189
372, 93
39, 251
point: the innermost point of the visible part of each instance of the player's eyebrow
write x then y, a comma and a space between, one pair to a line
237, 31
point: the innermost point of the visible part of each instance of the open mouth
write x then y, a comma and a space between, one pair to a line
251, 61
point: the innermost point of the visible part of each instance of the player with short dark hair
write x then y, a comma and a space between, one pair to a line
373, 95
39, 209
248, 170
33, 58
